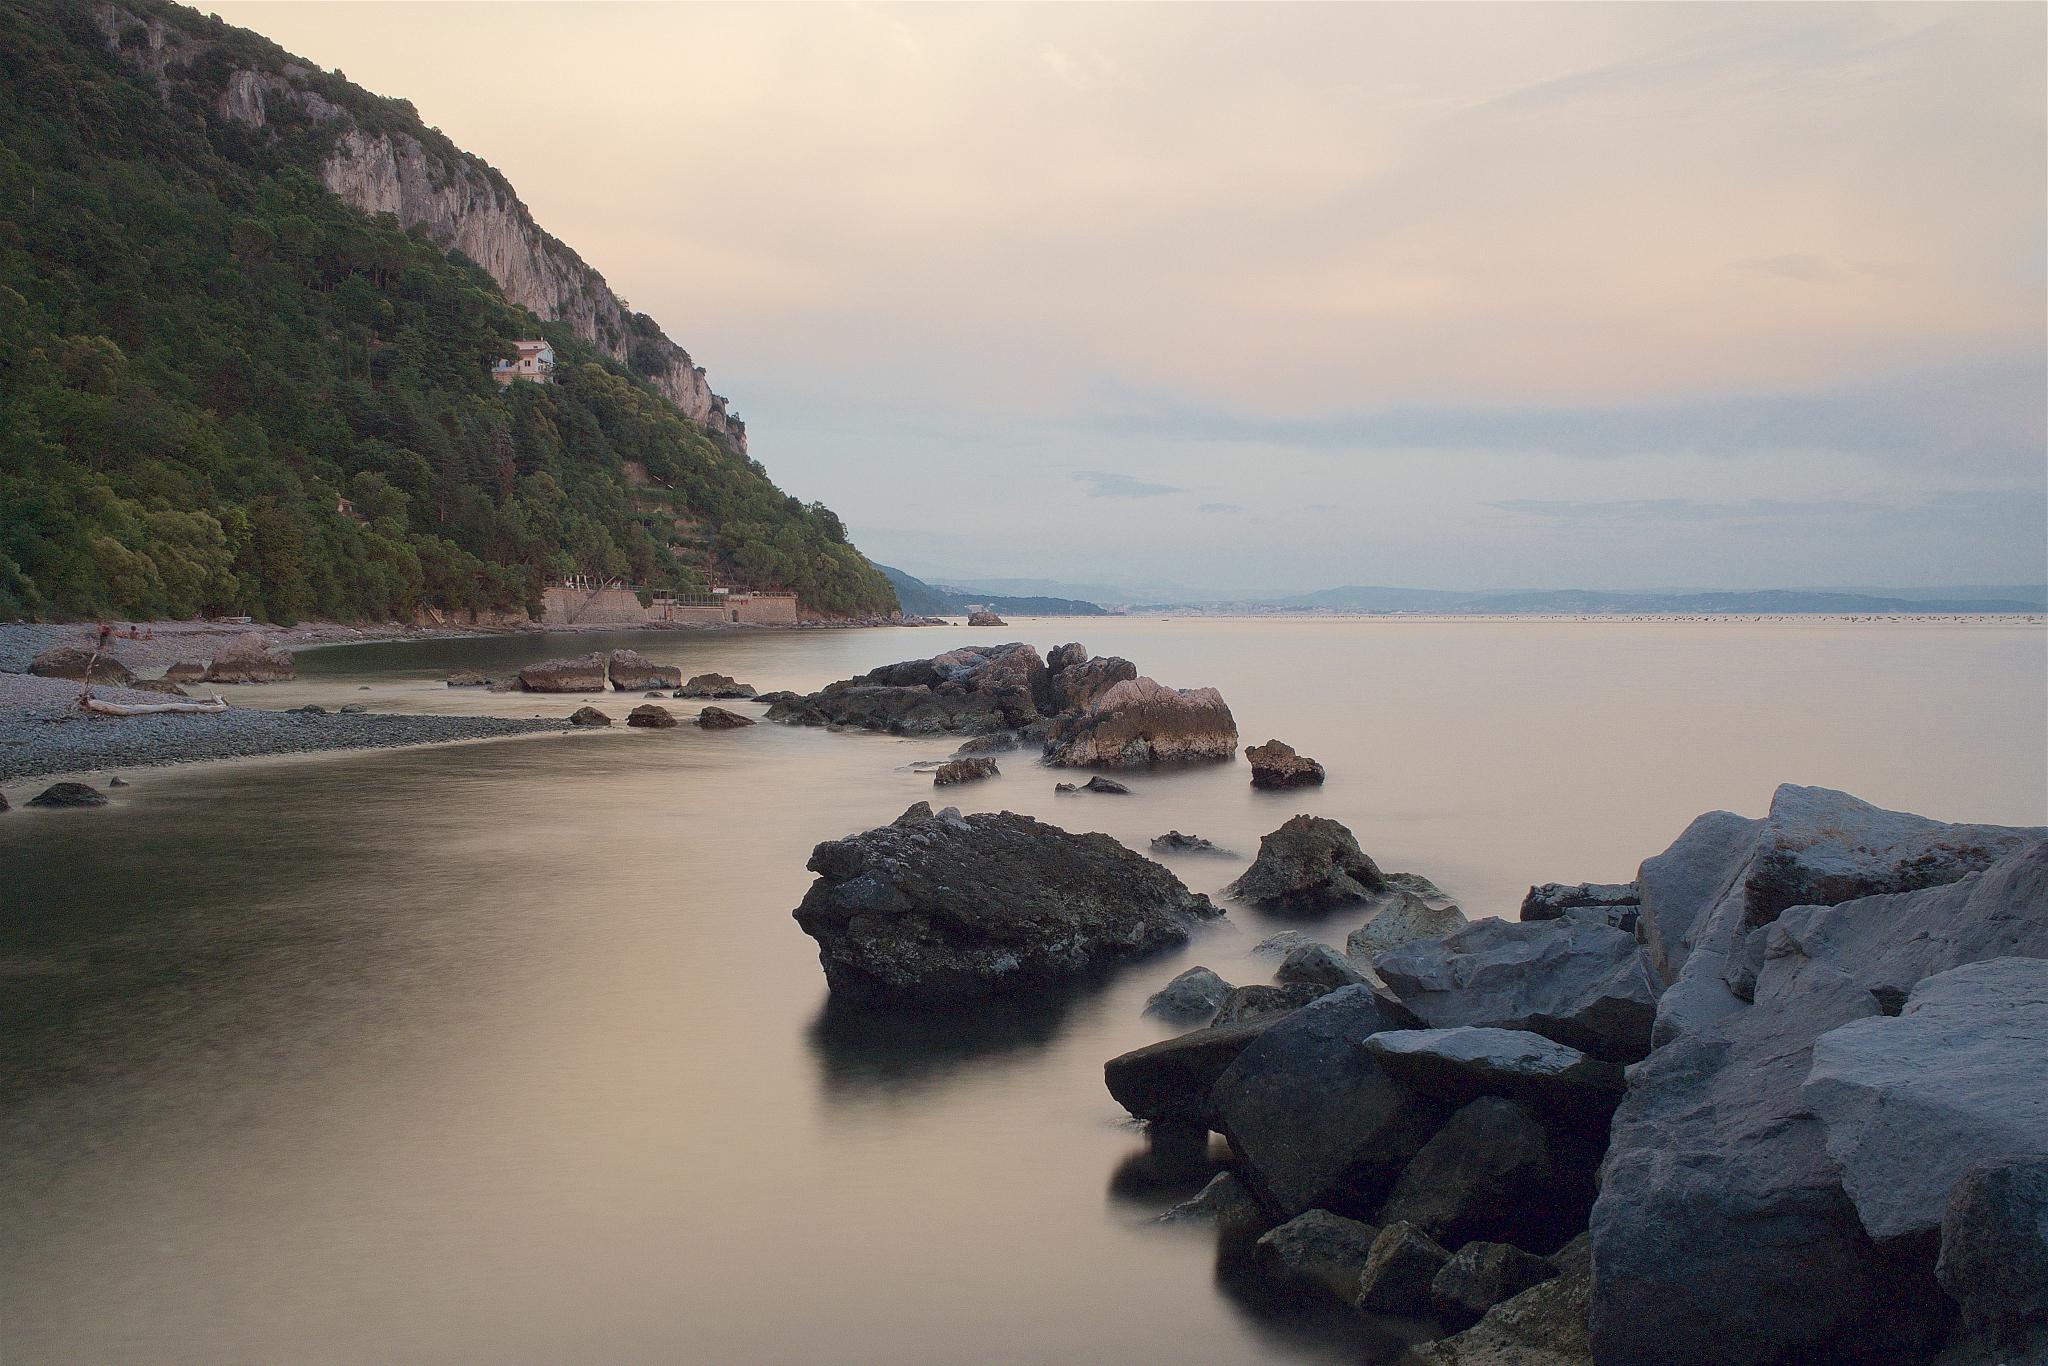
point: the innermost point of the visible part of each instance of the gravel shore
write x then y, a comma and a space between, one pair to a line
42, 731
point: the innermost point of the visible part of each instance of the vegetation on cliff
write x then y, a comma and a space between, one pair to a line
205, 353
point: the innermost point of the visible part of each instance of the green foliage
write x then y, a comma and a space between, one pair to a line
202, 352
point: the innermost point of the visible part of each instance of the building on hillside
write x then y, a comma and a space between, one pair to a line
533, 361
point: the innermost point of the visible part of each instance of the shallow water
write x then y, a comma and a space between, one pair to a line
511, 1051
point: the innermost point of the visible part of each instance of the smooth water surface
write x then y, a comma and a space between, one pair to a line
511, 1052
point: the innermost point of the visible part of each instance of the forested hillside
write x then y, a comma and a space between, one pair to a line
203, 352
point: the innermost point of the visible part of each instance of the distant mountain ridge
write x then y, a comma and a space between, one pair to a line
933, 600
1593, 601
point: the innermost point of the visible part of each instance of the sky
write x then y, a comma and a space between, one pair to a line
1221, 299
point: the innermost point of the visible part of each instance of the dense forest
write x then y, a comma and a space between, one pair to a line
203, 353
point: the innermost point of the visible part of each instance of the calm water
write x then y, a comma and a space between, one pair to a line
511, 1052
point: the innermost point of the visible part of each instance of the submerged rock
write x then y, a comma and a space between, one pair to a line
650, 716
585, 673
1106, 787
718, 718
68, 795
964, 771
1139, 722
941, 907
1309, 865
1276, 765
1174, 842
1193, 997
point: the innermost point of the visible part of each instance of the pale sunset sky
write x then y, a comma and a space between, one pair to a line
1228, 299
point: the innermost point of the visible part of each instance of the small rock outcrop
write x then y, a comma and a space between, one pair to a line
985, 619
972, 690
469, 678
1139, 722
964, 771
630, 670
249, 660
584, 673
720, 687
74, 663
1318, 1249
1174, 842
1079, 685
1403, 918
1101, 786
1191, 998
938, 906
68, 795
651, 717
718, 718
1309, 865
588, 716
1276, 765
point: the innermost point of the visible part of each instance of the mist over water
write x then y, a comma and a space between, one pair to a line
512, 1052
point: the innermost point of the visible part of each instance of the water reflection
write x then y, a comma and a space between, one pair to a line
868, 1051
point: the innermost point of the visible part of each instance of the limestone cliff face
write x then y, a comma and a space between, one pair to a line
456, 200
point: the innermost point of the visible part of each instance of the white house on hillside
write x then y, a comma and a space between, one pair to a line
535, 361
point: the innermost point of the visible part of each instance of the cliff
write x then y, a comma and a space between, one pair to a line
458, 200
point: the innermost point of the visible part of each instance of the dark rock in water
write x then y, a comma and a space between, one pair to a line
1276, 765
1722, 1215
654, 696
1170, 1081
1139, 722
1319, 965
1258, 1002
718, 718
1584, 985
1479, 1276
117, 782
1910, 1103
585, 673
1402, 918
1399, 1271
1319, 1249
972, 690
1002, 742
351, 709
1191, 998
1225, 1202
1079, 686
1309, 865
67, 795
721, 687
1611, 903
310, 709
1315, 1119
1485, 1174
1545, 1325
72, 662
938, 908
588, 716
1994, 1253
1556, 1080
964, 771
631, 670
249, 660
650, 716
1174, 842
469, 678
985, 619
1107, 787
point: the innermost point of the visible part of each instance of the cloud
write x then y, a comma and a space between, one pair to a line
1105, 485
1233, 509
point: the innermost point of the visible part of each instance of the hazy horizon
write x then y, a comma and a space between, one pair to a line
1471, 296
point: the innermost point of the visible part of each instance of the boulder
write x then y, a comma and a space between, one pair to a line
186, 671
469, 678
1486, 1174
585, 673
1276, 765
1588, 986
1314, 1118
1910, 1103
74, 663
1676, 887
1309, 865
1139, 722
1545, 1325
943, 907
964, 771
1281, 944
351, 709
1258, 1002
1557, 1081
1604, 903
1480, 1275
68, 795
1191, 998
630, 670
117, 781
1107, 787
1994, 1252
650, 716
1174, 842
720, 686
588, 716
718, 718
1170, 1081
1319, 965
1064, 657
1722, 1232
1319, 1249
1078, 686
249, 660
985, 619
972, 690
1001, 742
1225, 1202
1402, 918
1399, 1271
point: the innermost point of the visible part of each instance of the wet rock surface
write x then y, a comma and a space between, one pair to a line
1318, 1249
649, 716
1139, 722
251, 661
584, 673
1191, 998
1275, 765
716, 686
1308, 866
718, 718
958, 771
67, 795
1174, 842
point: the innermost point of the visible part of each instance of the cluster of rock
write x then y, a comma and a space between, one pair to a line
1782, 1098
245, 659
939, 907
625, 670
1082, 712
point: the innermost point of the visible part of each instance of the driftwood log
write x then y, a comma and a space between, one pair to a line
94, 705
